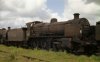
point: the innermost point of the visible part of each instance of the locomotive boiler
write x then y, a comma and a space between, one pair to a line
58, 28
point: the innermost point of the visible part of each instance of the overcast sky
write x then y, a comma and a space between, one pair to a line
15, 13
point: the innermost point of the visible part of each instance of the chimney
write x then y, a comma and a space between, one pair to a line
76, 16
9, 28
53, 20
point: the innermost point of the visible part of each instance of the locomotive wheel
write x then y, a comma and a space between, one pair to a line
8, 43
41, 43
77, 48
38, 44
56, 46
34, 43
30, 43
90, 49
47, 43
44, 45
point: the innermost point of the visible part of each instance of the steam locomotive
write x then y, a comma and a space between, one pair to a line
76, 35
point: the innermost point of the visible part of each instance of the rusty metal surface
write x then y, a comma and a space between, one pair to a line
98, 32
15, 35
3, 32
81, 21
72, 30
40, 28
57, 27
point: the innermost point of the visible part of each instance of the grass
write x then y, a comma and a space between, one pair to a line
14, 54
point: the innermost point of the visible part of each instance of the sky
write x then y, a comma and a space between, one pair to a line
15, 13
56, 6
